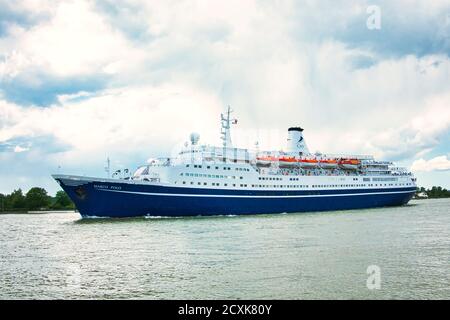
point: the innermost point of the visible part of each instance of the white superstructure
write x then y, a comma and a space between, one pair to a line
227, 167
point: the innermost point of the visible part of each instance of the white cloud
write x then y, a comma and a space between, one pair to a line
18, 149
272, 61
76, 40
121, 120
440, 163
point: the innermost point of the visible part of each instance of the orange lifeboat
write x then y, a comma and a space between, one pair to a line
266, 161
328, 163
350, 164
288, 162
308, 163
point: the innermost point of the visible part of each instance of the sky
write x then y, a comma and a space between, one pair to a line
83, 80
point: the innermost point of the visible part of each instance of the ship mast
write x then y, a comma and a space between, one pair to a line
225, 131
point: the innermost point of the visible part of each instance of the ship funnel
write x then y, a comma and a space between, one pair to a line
295, 142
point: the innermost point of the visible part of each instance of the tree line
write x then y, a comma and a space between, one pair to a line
434, 192
35, 199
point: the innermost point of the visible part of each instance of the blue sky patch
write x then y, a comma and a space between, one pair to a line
45, 92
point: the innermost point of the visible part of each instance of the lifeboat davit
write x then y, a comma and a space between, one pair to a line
350, 164
308, 163
328, 163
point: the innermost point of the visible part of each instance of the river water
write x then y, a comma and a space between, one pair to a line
325, 255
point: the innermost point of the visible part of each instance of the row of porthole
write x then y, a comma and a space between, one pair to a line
199, 166
204, 175
292, 186
215, 184
270, 178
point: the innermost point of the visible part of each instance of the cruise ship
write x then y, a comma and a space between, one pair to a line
224, 180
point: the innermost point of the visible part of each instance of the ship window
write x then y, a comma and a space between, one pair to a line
187, 166
208, 167
225, 184
217, 168
240, 177
204, 183
195, 166
192, 182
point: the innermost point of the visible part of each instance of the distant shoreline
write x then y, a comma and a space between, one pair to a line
38, 212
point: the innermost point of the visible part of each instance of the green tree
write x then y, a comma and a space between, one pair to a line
62, 201
2, 202
438, 192
15, 200
37, 198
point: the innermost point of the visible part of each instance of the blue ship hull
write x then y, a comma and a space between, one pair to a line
112, 198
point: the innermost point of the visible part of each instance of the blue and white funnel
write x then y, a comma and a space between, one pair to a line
295, 142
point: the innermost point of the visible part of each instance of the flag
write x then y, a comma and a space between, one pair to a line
234, 121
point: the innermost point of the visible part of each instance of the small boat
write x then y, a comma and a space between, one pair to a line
266, 161
288, 162
308, 163
328, 163
350, 164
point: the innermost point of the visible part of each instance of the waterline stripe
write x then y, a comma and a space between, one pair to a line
249, 196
